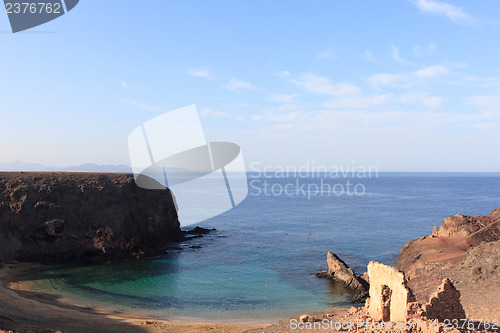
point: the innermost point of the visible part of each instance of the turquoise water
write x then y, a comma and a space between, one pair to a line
260, 261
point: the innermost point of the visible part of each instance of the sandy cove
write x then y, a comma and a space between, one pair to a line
22, 311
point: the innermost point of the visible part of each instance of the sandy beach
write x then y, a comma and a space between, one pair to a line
22, 311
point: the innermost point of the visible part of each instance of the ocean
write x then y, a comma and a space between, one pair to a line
259, 264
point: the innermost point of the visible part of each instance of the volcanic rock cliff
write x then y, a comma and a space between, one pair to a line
61, 217
465, 249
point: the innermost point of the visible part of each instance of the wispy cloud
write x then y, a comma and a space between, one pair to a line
357, 102
397, 56
385, 79
486, 102
326, 54
221, 114
424, 51
148, 107
236, 85
407, 79
421, 98
200, 72
369, 56
285, 118
128, 86
485, 82
282, 74
454, 13
431, 71
282, 98
324, 86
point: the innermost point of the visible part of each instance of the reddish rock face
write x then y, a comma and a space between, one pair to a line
54, 217
465, 249
457, 234
476, 229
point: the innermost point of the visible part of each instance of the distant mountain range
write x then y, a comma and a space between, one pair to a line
88, 167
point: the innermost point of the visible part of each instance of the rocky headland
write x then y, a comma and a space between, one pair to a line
450, 276
465, 249
82, 217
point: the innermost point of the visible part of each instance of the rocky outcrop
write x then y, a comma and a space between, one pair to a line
339, 271
56, 217
466, 249
476, 229
450, 243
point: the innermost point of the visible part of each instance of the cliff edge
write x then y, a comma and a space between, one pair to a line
61, 217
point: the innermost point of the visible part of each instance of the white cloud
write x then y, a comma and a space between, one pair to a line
369, 56
384, 79
421, 98
485, 102
431, 71
282, 98
236, 85
326, 54
128, 86
408, 79
221, 114
424, 51
148, 107
357, 102
203, 73
486, 82
432, 101
256, 117
324, 86
397, 56
285, 118
282, 74
456, 14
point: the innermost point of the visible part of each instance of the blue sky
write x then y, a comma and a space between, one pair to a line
402, 85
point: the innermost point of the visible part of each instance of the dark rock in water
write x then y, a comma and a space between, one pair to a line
66, 217
360, 297
195, 247
339, 271
173, 248
199, 231
323, 275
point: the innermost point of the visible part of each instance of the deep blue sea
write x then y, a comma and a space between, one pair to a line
260, 263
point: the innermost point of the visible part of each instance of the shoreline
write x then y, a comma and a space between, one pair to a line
46, 313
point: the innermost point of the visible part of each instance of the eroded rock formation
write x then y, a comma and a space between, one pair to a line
449, 243
465, 249
51, 217
339, 271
